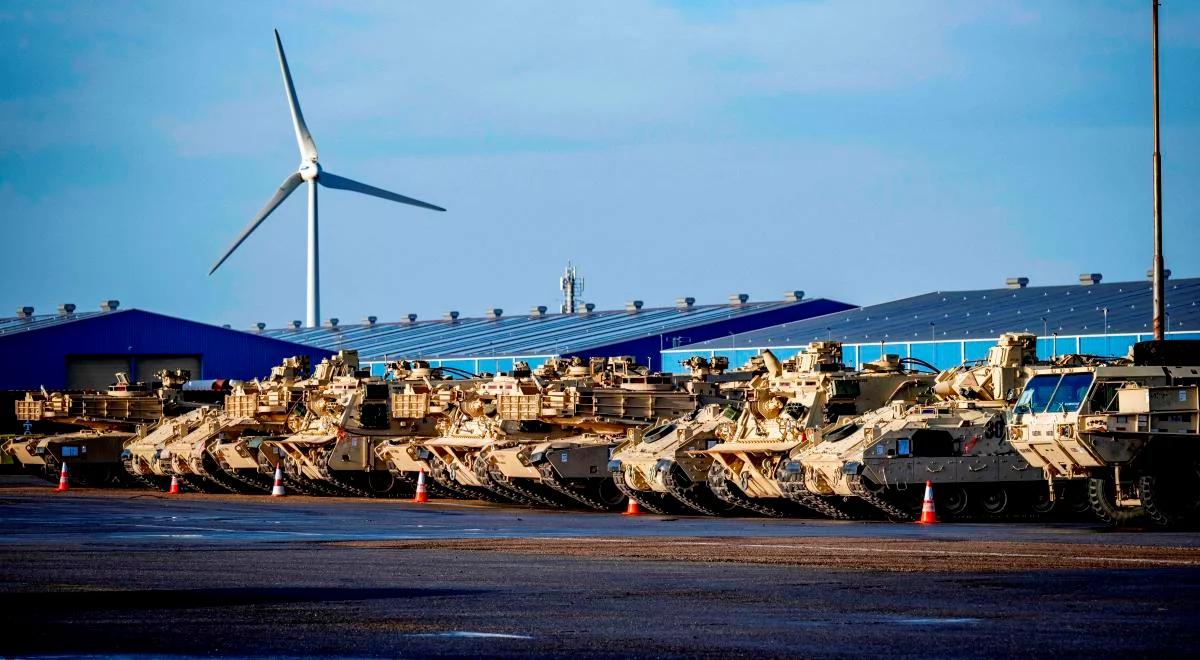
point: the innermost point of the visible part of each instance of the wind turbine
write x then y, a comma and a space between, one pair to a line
310, 172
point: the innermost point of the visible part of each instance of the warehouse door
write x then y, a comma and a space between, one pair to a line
150, 365
94, 372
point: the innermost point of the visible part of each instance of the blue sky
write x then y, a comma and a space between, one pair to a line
862, 151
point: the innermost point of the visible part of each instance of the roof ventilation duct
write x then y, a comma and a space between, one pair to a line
227, 326
1088, 279
1016, 282
66, 309
370, 320
494, 313
410, 319
537, 312
587, 308
1166, 274
24, 312
793, 296
450, 316
685, 303
109, 305
296, 324
260, 326
739, 298
633, 305
333, 322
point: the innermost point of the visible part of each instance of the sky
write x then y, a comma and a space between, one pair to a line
861, 151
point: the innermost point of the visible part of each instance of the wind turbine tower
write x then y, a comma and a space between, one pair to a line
309, 172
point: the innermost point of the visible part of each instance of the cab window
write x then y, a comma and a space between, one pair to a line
1037, 393
1069, 395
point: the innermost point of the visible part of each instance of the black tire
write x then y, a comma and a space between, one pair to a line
1102, 496
952, 501
994, 500
1171, 493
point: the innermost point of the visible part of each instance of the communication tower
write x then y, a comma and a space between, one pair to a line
571, 286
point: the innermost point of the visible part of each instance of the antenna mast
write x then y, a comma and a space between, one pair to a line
1159, 301
571, 286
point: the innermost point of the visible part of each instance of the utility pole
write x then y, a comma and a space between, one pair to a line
1160, 306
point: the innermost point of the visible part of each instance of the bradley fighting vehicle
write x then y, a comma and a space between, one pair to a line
790, 409
1125, 428
657, 469
103, 423
213, 448
957, 440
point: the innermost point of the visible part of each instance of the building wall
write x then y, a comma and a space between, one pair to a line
943, 354
39, 357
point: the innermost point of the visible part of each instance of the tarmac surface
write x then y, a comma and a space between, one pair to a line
131, 572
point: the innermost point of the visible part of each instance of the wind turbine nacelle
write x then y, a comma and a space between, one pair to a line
309, 171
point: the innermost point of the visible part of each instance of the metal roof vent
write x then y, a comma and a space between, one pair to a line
333, 322
587, 308
370, 320
109, 305
633, 305
685, 303
260, 326
1016, 282
410, 319
450, 316
66, 309
1166, 274
227, 326
24, 312
793, 296
296, 324
494, 313
1088, 279
739, 298
537, 312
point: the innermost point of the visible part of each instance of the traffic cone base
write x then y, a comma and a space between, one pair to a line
422, 492
632, 509
63, 483
277, 489
174, 486
928, 514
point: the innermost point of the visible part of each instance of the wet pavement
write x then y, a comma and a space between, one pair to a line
132, 573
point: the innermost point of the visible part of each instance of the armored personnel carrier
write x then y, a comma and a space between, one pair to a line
957, 440
1126, 428
789, 409
97, 425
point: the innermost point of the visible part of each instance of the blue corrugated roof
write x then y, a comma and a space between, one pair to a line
15, 324
953, 315
520, 335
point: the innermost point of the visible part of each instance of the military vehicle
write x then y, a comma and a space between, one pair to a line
788, 410
208, 448
554, 430
957, 440
656, 467
97, 425
1126, 428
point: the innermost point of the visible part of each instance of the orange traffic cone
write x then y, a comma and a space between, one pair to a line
277, 490
632, 509
422, 494
928, 515
63, 484
174, 486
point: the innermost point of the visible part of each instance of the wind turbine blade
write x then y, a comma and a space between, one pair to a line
308, 148
342, 183
289, 184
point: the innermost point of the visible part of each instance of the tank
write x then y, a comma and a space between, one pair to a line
790, 409
657, 467
957, 440
89, 430
1122, 429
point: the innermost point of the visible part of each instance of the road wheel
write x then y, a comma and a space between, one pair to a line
953, 500
994, 500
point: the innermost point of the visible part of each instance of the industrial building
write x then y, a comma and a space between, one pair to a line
492, 342
77, 350
946, 328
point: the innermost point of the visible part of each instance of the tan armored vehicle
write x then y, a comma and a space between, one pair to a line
956, 440
790, 409
209, 448
1126, 428
99, 423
